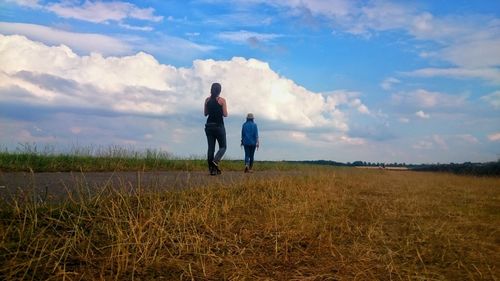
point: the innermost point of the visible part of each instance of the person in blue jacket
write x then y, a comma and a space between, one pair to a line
249, 141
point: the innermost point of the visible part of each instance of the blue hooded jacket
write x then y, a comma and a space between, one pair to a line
249, 133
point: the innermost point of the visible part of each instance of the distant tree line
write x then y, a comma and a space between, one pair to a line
467, 168
352, 164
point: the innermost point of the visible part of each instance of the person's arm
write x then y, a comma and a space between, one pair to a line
205, 108
242, 130
257, 135
222, 102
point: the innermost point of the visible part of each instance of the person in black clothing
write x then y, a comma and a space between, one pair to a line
216, 109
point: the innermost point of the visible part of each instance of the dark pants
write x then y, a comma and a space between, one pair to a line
249, 153
215, 132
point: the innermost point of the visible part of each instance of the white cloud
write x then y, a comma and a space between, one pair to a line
330, 8
26, 3
423, 144
239, 18
471, 42
468, 41
439, 140
491, 75
494, 137
102, 12
361, 108
97, 11
422, 98
173, 48
483, 53
493, 99
351, 16
170, 47
389, 82
468, 138
432, 142
297, 136
133, 27
34, 73
422, 114
339, 98
83, 42
247, 37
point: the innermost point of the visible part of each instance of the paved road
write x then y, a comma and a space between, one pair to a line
55, 186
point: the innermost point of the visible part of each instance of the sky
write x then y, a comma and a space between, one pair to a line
342, 80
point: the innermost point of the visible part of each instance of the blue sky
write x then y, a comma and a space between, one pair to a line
378, 81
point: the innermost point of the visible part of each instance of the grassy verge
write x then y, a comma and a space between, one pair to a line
326, 224
116, 159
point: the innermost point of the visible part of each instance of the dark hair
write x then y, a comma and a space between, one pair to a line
215, 90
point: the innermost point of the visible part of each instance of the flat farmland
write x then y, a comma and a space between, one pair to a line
306, 223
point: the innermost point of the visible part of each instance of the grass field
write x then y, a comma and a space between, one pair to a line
90, 159
323, 223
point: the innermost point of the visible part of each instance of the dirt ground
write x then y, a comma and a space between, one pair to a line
58, 185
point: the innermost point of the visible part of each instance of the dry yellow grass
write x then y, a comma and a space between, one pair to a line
323, 224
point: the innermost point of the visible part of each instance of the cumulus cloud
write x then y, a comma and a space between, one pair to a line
337, 99
422, 114
360, 107
35, 73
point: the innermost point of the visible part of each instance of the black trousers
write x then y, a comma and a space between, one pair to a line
215, 133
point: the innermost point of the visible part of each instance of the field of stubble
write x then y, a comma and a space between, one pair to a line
319, 224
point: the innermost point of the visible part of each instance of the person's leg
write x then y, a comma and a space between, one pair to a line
247, 157
251, 156
211, 148
221, 139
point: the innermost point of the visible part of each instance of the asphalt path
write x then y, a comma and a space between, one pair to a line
58, 185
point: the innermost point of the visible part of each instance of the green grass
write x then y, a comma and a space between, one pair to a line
322, 224
30, 158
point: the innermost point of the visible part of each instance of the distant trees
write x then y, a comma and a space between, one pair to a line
468, 168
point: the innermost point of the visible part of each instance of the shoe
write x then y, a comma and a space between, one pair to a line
246, 169
213, 172
216, 168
